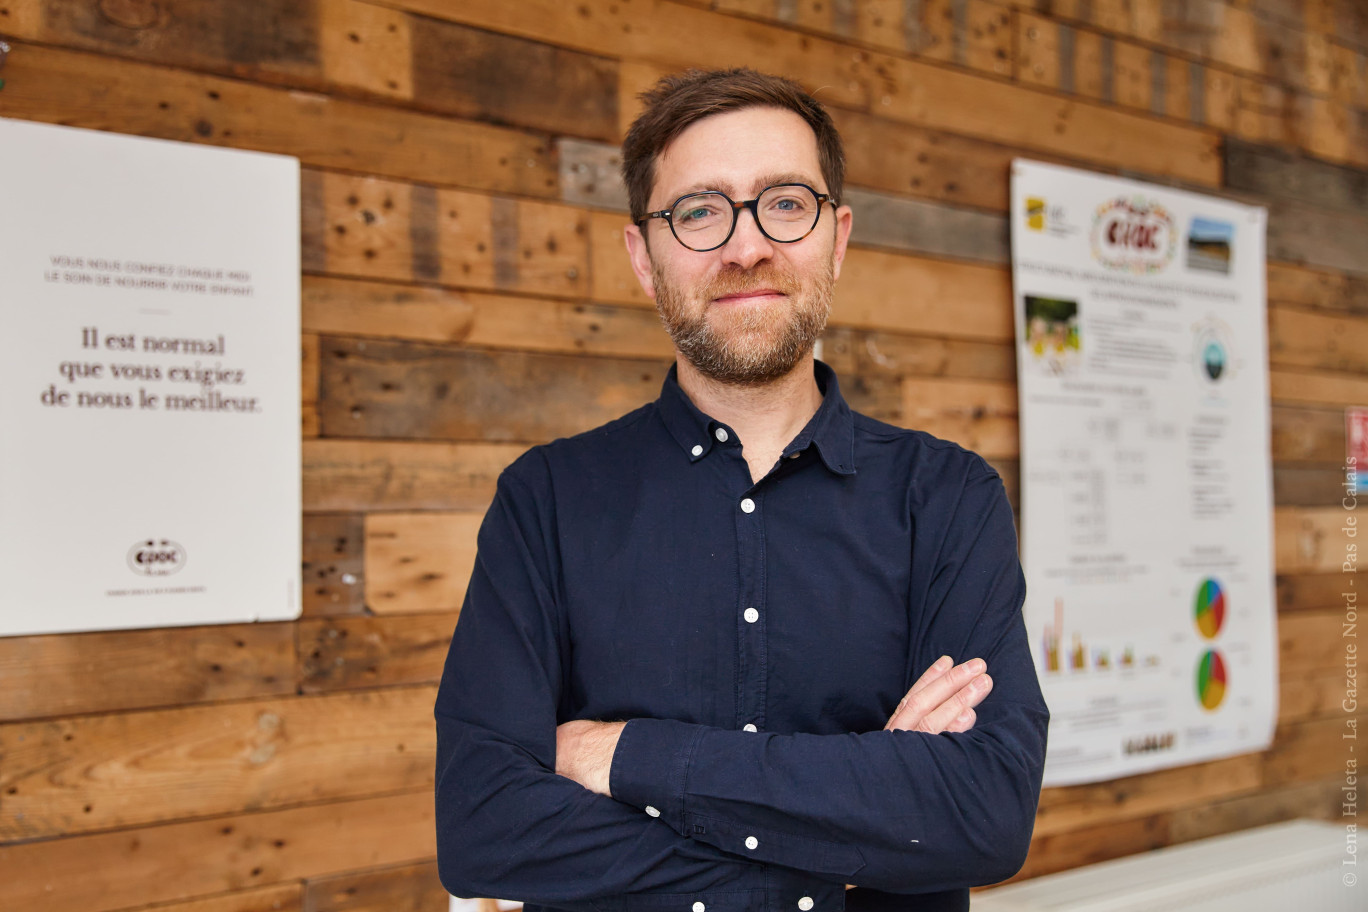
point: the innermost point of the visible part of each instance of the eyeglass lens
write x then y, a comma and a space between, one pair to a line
704, 220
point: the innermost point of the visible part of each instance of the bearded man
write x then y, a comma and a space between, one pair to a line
729, 652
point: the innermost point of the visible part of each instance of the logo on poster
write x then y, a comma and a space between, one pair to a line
1133, 234
156, 557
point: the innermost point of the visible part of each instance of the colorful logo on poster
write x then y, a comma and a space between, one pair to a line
1133, 234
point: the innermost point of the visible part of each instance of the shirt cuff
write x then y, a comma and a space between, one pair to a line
651, 765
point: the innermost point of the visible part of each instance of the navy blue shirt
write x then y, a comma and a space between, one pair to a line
757, 635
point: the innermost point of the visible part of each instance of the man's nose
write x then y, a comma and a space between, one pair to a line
748, 244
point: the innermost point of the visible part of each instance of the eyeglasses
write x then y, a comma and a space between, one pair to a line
704, 221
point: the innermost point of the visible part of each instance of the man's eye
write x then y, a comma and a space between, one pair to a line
695, 216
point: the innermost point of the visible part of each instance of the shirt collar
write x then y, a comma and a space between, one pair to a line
831, 430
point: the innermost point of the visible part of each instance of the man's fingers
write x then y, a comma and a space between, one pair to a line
957, 713
936, 671
932, 691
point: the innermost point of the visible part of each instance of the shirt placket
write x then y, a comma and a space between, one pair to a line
751, 640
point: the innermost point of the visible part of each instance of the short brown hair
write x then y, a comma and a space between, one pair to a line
678, 101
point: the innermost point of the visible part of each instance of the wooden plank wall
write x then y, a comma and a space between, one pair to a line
466, 295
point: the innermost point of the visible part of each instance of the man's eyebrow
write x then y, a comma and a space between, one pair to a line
760, 183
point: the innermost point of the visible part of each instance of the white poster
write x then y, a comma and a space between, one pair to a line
1146, 486
150, 388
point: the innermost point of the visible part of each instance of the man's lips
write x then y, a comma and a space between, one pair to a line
752, 294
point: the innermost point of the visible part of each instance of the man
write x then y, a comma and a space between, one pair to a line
676, 680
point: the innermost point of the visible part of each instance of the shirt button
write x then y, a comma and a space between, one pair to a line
751, 615
721, 434
805, 904
752, 842
652, 811
697, 450
750, 727
747, 505
699, 907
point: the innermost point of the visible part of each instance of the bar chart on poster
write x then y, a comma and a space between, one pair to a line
149, 469
1146, 477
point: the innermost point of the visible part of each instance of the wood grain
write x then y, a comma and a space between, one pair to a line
346, 475
419, 561
98, 772
365, 652
409, 888
60, 675
334, 565
413, 391
206, 857
85, 90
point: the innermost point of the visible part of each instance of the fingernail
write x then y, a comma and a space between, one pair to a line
964, 717
983, 684
978, 666
943, 663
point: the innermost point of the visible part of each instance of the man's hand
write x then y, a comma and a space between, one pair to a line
943, 699
584, 752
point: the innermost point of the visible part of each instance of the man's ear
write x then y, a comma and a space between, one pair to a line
640, 258
844, 219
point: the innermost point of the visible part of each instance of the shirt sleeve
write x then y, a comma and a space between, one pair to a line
507, 825
897, 811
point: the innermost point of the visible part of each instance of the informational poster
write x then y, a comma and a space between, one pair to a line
150, 387
1146, 485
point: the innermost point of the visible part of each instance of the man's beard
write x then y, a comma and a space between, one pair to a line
748, 345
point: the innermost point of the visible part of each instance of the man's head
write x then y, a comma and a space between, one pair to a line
747, 310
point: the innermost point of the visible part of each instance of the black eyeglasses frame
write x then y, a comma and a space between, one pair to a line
737, 206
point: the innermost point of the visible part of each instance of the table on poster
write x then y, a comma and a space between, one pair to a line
1146, 491
150, 462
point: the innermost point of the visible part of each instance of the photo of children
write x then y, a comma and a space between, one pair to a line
1052, 341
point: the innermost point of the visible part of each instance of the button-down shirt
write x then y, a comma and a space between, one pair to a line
757, 636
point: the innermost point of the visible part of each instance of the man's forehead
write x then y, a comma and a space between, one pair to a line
740, 152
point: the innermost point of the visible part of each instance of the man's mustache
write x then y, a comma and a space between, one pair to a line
737, 280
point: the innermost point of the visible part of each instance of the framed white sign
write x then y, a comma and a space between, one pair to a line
150, 389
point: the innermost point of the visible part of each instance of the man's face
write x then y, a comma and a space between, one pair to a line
748, 311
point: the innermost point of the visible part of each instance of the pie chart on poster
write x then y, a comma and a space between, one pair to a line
1210, 608
1211, 679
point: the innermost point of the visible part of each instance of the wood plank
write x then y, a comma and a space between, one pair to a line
365, 475
932, 229
421, 313
894, 355
1040, 51
1307, 435
1308, 485
880, 290
98, 772
1295, 387
1315, 288
419, 561
334, 564
283, 898
337, 654
1310, 698
308, 378
64, 674
410, 390
410, 888
86, 90
1070, 808
611, 277
167, 862
909, 158
1310, 644
391, 230
366, 48
1317, 800
504, 79
1306, 751
1075, 848
901, 89
1313, 540
978, 415
1273, 172
1311, 591
591, 174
